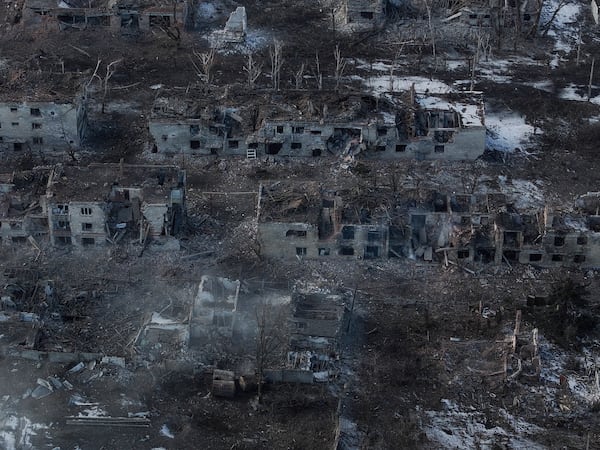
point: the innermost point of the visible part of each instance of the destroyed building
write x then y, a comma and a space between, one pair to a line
307, 220
494, 14
320, 123
107, 202
358, 15
316, 322
21, 214
126, 16
42, 114
212, 315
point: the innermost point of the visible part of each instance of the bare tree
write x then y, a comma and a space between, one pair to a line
317, 73
253, 70
340, 65
299, 76
427, 4
276, 54
270, 338
110, 71
206, 62
546, 27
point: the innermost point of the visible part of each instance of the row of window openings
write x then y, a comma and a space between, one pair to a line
559, 241
537, 257
64, 209
18, 146
195, 145
34, 125
370, 251
66, 225
33, 111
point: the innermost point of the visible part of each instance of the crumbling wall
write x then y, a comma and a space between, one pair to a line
42, 126
88, 223
156, 216
214, 309
288, 240
193, 137
362, 14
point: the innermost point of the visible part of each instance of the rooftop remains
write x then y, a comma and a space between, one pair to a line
329, 106
23, 85
470, 108
95, 182
291, 201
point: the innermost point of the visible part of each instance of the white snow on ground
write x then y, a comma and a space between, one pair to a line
255, 41
94, 411
469, 113
507, 131
571, 92
564, 29
524, 194
453, 428
382, 84
544, 85
581, 385
16, 432
166, 432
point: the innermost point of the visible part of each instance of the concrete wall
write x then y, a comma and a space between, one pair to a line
81, 223
363, 14
190, 137
41, 126
157, 217
82, 215
282, 240
314, 139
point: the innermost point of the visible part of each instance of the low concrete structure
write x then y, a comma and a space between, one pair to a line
360, 15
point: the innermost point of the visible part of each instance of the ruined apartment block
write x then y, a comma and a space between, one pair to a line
126, 16
42, 120
306, 220
315, 124
21, 215
316, 325
103, 203
213, 313
496, 14
302, 221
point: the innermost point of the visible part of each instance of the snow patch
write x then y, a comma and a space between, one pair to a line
383, 84
164, 431
507, 131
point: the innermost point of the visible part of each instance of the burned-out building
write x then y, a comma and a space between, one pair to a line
21, 214
126, 16
42, 114
307, 220
108, 202
212, 315
496, 14
215, 121
316, 325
